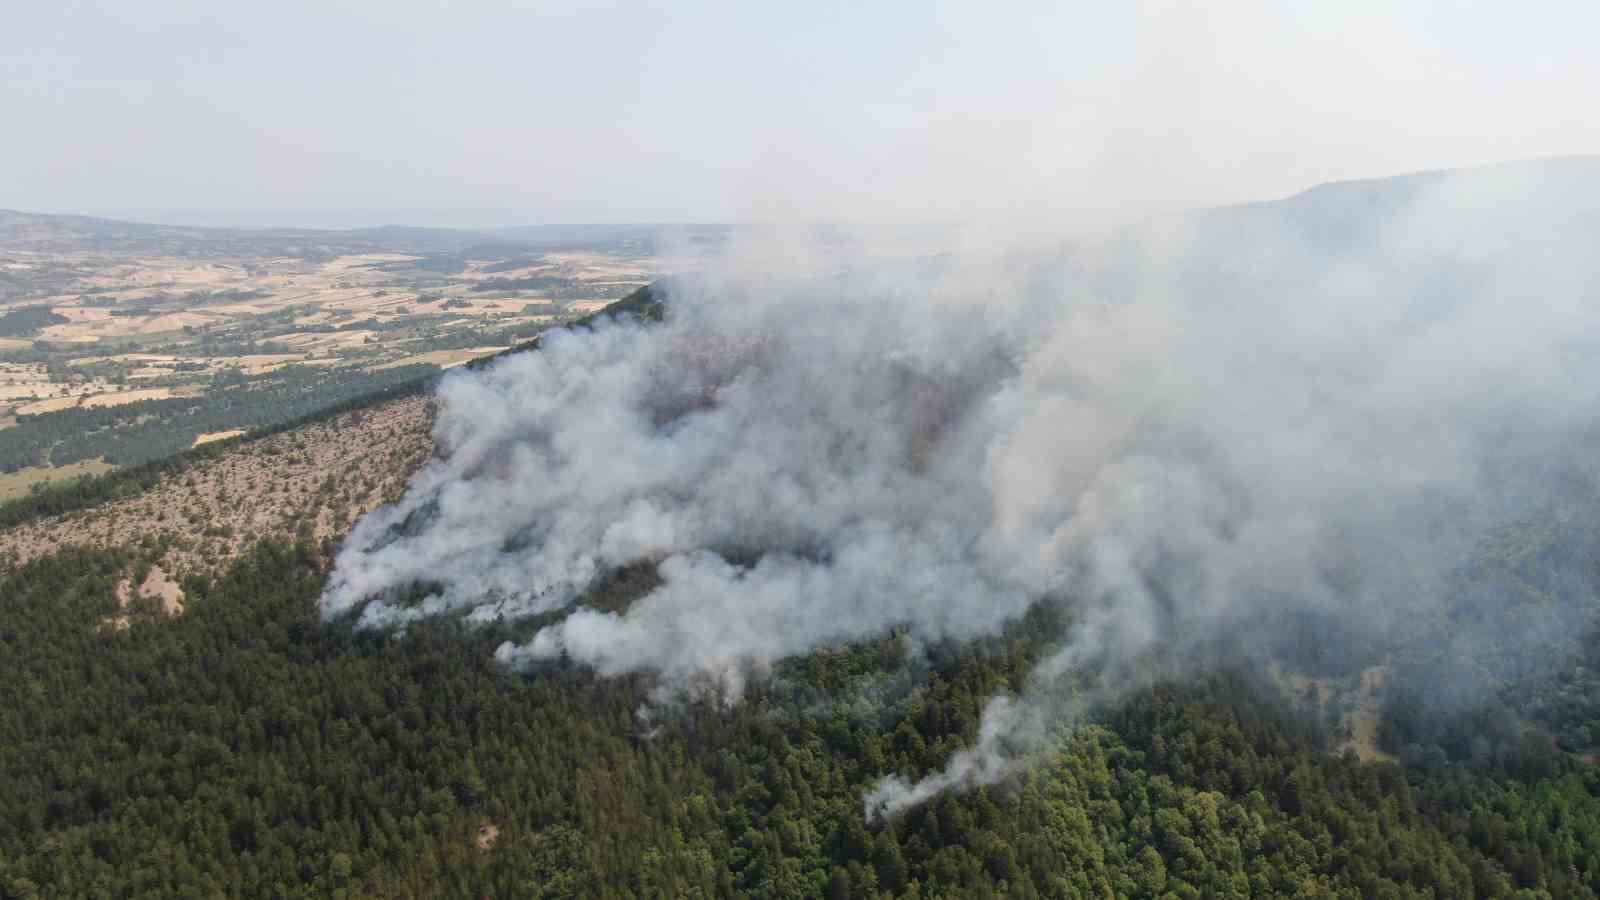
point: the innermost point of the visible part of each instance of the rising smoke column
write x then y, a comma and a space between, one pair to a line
1177, 433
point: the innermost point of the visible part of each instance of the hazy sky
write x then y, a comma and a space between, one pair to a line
346, 112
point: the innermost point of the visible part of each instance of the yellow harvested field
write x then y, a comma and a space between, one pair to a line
24, 382
172, 322
121, 397
117, 398
254, 359
16, 484
43, 406
155, 365
210, 436
239, 309
148, 359
511, 305
309, 339
363, 260
593, 261
82, 313
443, 358
26, 389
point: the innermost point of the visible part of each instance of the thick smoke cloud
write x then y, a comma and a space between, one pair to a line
1180, 433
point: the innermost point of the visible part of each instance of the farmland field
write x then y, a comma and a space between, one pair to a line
121, 341
16, 484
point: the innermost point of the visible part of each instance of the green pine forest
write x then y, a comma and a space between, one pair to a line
245, 749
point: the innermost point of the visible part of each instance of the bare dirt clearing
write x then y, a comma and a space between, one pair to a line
156, 587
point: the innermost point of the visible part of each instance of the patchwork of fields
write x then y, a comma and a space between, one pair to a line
118, 340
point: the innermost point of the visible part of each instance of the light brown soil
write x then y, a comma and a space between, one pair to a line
156, 586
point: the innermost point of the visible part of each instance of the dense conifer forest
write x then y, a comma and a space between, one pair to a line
245, 749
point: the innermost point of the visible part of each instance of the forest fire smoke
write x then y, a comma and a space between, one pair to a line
1177, 433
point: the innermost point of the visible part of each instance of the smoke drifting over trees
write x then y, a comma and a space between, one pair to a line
1194, 436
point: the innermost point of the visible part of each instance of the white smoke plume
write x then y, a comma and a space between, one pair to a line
1006, 727
1177, 432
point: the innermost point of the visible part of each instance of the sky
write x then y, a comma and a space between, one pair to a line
341, 113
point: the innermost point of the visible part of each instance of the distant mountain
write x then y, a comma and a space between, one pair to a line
52, 233
1557, 192
49, 233
642, 237
1486, 212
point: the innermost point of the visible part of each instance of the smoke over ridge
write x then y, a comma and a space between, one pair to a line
1178, 432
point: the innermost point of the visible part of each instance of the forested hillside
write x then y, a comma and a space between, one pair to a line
243, 749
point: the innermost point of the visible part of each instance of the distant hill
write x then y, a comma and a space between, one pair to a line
53, 233
1544, 193
648, 238
1525, 207
49, 233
